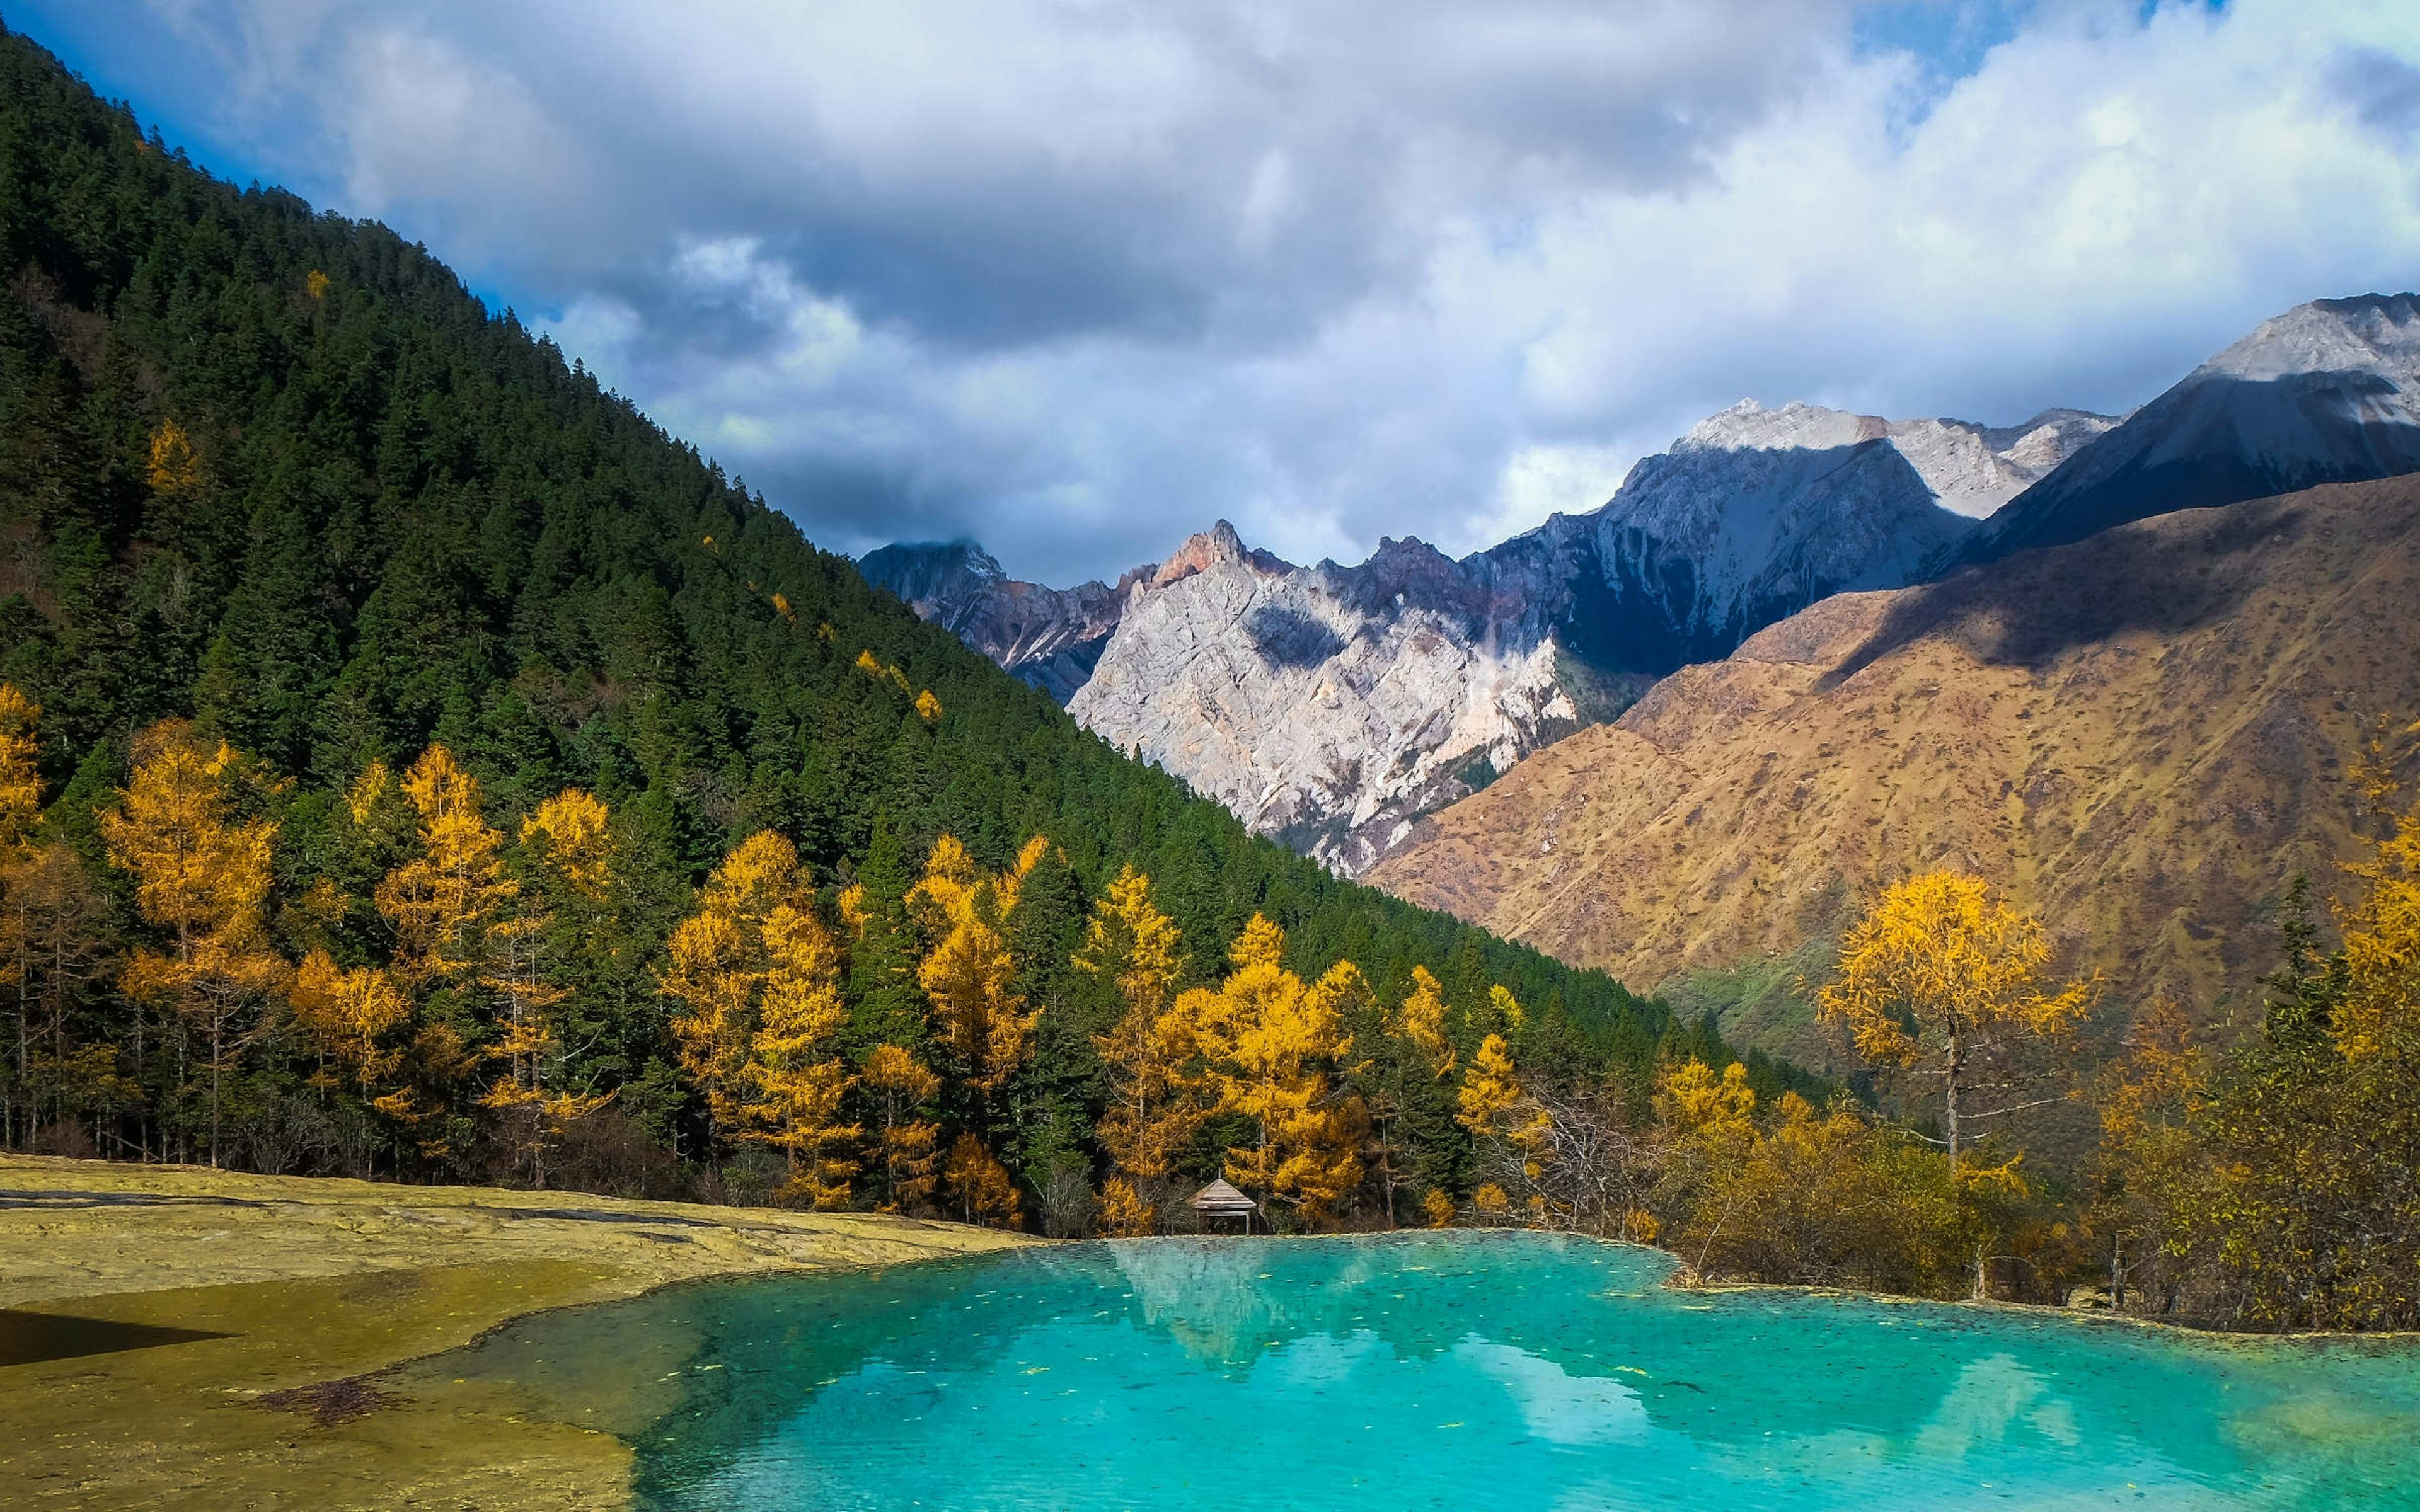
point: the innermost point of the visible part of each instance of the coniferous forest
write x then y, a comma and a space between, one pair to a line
416, 763
408, 722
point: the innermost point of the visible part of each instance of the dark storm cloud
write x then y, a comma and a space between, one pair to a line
1078, 278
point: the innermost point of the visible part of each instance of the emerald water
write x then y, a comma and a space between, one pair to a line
1456, 1370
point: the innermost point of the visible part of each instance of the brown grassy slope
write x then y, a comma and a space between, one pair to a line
2141, 735
293, 1282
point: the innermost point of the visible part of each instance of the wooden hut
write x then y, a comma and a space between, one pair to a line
1219, 1201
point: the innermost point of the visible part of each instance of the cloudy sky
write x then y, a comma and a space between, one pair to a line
1076, 278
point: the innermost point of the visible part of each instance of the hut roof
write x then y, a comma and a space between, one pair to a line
1220, 1199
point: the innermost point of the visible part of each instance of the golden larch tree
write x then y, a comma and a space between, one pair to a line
796, 1075
1966, 970
1124, 1215
1272, 1047
21, 778
174, 467
980, 1184
202, 878
50, 914
716, 967
1131, 947
442, 902
984, 1025
907, 1145
1420, 1021
351, 1018
1490, 1091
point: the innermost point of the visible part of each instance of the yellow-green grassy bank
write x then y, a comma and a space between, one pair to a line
296, 1281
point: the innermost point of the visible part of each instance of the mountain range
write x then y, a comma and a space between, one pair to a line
2141, 735
1333, 706
1330, 705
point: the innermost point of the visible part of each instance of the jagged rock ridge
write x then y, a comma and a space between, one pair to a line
1049, 637
1332, 705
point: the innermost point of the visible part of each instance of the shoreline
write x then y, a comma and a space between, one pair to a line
170, 1312
273, 1336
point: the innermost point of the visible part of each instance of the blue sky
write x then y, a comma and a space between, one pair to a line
1077, 277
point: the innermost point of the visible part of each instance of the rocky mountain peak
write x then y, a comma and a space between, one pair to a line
1215, 547
2328, 391
2369, 333
1749, 425
1049, 636
930, 569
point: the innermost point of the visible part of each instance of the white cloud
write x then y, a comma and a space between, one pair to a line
1079, 279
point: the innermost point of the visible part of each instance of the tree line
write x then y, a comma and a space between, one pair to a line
438, 994
390, 980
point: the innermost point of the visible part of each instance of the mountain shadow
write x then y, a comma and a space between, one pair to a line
2209, 441
2160, 577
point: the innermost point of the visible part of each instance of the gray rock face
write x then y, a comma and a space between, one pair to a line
1327, 705
1330, 706
1049, 637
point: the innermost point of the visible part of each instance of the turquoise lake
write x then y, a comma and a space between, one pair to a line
1453, 1370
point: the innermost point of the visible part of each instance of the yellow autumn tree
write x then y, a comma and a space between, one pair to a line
349, 1017
1511, 1131
796, 1076
1420, 1021
21, 778
2379, 1017
980, 1185
443, 901
1693, 1099
1272, 1045
907, 1146
1489, 1093
571, 835
985, 1027
174, 467
47, 912
716, 967
201, 878
1131, 947
569, 843
1943, 979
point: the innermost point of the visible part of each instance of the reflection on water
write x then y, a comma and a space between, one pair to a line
1461, 1370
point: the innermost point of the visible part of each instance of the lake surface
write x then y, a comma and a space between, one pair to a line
1453, 1370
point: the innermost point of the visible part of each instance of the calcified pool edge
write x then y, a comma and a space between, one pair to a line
305, 1281
738, 1394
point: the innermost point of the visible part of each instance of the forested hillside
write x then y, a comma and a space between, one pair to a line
382, 692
